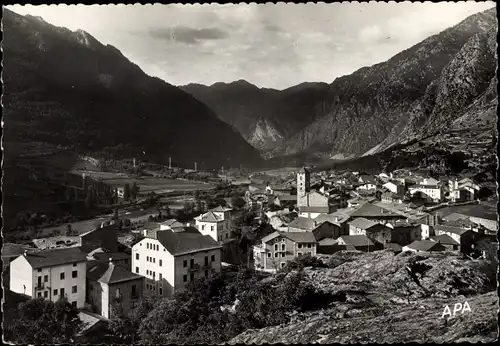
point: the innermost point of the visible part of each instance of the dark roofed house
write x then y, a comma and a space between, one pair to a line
56, 257
358, 242
112, 288
464, 236
117, 258
447, 241
11, 251
104, 237
424, 246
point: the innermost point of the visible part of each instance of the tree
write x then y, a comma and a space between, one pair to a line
238, 202
126, 192
41, 321
134, 190
68, 229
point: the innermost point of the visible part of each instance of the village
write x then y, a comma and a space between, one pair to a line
119, 258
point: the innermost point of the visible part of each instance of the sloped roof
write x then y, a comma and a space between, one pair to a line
171, 223
362, 223
182, 240
51, 258
115, 256
424, 245
221, 209
109, 273
210, 217
492, 216
451, 229
341, 217
287, 198
445, 239
299, 237
14, 250
303, 223
370, 210
327, 242
357, 240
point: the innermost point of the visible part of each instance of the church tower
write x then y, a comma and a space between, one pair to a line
303, 182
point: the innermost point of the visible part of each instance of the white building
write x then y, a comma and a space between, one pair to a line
51, 274
395, 187
215, 223
170, 259
429, 188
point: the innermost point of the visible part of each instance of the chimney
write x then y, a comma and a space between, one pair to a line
336, 218
145, 232
25, 253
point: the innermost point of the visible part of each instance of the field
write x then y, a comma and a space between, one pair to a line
147, 185
471, 208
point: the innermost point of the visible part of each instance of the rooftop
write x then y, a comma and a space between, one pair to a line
362, 223
357, 240
181, 240
297, 237
303, 223
314, 209
209, 217
445, 239
51, 258
14, 250
424, 245
451, 229
171, 223
371, 210
109, 273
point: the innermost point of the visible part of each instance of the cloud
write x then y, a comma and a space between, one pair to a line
187, 35
372, 33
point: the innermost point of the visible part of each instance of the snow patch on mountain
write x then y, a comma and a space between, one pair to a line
264, 135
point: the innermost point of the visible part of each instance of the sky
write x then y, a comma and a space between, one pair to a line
269, 45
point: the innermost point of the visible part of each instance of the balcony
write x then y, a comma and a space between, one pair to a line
195, 268
40, 286
207, 266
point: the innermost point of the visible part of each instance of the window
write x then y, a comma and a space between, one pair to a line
309, 246
160, 276
185, 263
191, 263
299, 253
137, 270
62, 292
74, 264
283, 240
55, 292
45, 278
154, 287
136, 256
154, 260
226, 235
147, 271
73, 289
134, 291
161, 291
211, 228
206, 273
191, 277
202, 227
73, 304
62, 276
185, 278
154, 274
275, 247
117, 293
160, 263
282, 254
147, 245
282, 264
283, 247
268, 254
147, 258
276, 254
74, 274
39, 295
206, 260
39, 270
300, 246
213, 258
46, 294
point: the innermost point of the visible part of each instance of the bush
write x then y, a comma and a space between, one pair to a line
300, 262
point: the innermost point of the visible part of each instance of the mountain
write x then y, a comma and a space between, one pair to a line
420, 90
265, 117
67, 88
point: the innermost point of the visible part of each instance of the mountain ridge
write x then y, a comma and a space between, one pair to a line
76, 91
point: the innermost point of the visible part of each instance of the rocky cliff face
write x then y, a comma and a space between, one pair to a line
67, 88
421, 89
381, 298
265, 117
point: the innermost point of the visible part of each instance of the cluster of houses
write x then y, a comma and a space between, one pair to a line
102, 278
374, 213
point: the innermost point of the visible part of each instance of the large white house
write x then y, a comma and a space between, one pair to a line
430, 188
51, 274
215, 223
170, 259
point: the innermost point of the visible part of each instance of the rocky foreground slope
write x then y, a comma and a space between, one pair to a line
381, 297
